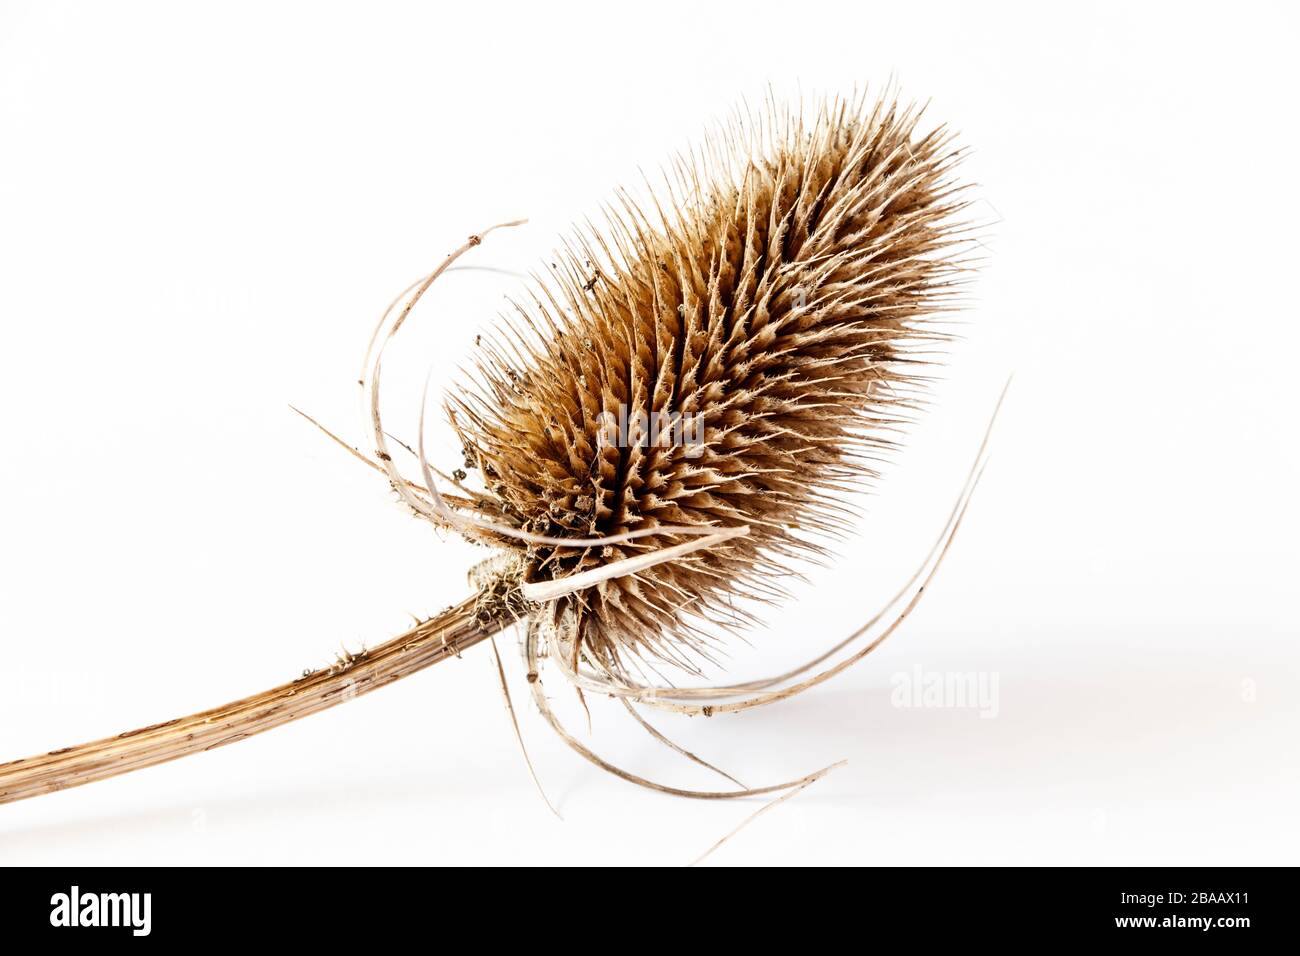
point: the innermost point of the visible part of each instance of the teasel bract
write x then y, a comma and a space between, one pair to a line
781, 301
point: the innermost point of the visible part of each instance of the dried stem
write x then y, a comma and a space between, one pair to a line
446, 635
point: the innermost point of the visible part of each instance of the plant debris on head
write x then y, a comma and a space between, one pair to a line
781, 301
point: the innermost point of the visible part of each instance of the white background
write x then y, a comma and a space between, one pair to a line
202, 211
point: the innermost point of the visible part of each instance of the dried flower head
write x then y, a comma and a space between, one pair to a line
743, 356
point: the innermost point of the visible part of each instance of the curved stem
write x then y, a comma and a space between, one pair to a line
435, 640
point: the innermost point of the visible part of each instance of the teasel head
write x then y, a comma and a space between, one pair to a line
742, 350
683, 409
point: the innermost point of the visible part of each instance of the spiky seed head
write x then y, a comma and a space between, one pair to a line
741, 355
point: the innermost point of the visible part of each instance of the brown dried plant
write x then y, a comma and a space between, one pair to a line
783, 298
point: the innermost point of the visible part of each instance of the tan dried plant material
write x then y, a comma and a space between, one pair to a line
681, 412
780, 301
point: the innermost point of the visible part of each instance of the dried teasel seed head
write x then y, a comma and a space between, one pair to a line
743, 356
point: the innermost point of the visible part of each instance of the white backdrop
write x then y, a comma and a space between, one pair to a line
202, 211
